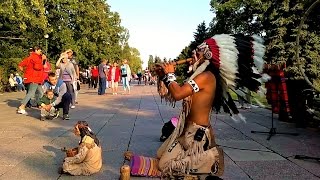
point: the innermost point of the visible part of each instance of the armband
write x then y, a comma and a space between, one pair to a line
194, 85
169, 78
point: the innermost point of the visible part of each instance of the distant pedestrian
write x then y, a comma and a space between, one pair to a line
46, 67
76, 84
139, 74
19, 81
89, 77
114, 78
108, 66
126, 76
13, 83
95, 76
102, 68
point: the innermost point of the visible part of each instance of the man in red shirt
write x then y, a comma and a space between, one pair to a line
33, 76
95, 76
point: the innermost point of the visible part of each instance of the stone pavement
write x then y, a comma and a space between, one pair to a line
30, 149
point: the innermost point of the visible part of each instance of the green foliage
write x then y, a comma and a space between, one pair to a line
279, 21
90, 28
151, 61
7, 66
201, 33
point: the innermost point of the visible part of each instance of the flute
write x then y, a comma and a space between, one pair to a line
182, 61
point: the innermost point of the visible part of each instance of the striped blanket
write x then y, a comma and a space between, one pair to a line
144, 166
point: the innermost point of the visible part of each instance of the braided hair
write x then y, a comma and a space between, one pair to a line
86, 131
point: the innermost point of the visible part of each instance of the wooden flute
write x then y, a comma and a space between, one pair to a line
182, 61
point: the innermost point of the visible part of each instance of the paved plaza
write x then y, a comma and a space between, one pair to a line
30, 148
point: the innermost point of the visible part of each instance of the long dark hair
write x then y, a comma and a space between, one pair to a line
219, 101
86, 131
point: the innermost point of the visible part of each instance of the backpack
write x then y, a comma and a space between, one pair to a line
168, 128
18, 80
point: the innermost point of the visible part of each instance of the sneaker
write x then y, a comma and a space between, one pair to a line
22, 111
57, 114
239, 107
72, 107
42, 118
66, 117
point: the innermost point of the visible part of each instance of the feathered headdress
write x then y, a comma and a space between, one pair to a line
238, 60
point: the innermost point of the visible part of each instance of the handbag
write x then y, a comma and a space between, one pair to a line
78, 85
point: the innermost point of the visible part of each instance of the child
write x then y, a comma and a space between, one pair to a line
47, 99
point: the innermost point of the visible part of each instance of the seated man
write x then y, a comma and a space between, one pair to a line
13, 83
191, 148
60, 91
88, 159
20, 85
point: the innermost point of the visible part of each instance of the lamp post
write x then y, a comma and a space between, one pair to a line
46, 36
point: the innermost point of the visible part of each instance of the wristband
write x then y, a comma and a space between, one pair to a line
169, 78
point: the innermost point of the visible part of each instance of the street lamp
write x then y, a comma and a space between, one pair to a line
46, 36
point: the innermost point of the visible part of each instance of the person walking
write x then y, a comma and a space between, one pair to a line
126, 75
102, 68
33, 77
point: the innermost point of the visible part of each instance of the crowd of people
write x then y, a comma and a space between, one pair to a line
109, 75
51, 91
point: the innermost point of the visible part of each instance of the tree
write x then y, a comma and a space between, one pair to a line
151, 61
279, 21
89, 28
133, 57
200, 35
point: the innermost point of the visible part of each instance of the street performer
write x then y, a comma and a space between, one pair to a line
220, 63
87, 159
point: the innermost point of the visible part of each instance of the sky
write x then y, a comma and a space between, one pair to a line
161, 27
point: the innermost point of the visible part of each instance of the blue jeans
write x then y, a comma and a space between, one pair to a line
20, 87
102, 86
70, 90
33, 90
65, 103
125, 83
